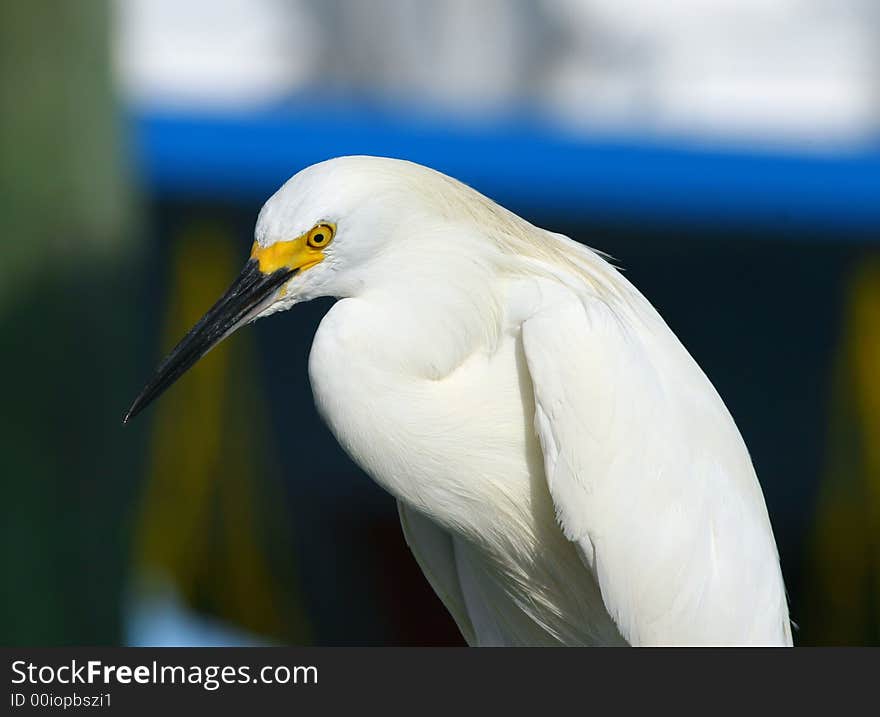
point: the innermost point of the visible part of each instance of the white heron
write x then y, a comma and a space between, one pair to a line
565, 472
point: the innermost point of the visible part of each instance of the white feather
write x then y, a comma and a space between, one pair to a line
566, 473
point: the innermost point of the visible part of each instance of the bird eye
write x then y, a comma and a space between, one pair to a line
320, 236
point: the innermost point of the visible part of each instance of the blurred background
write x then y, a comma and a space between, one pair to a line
726, 153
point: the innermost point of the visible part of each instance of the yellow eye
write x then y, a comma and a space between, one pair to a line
320, 236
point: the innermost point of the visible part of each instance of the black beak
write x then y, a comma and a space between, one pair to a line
247, 296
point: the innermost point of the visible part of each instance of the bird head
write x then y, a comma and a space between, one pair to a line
318, 235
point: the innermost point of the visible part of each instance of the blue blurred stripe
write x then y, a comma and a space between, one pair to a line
522, 164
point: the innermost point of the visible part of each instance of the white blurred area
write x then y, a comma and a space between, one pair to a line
158, 617
790, 71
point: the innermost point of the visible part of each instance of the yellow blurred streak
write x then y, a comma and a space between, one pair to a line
842, 590
867, 379
201, 521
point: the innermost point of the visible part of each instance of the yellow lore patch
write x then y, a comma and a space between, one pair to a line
293, 254
301, 253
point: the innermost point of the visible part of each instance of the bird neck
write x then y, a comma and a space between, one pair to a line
430, 308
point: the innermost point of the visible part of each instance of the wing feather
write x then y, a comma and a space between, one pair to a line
651, 479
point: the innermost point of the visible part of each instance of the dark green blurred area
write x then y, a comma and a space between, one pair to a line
70, 238
273, 530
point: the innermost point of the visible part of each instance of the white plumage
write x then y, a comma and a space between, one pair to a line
565, 472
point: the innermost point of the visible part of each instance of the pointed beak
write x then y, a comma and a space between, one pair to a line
251, 292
